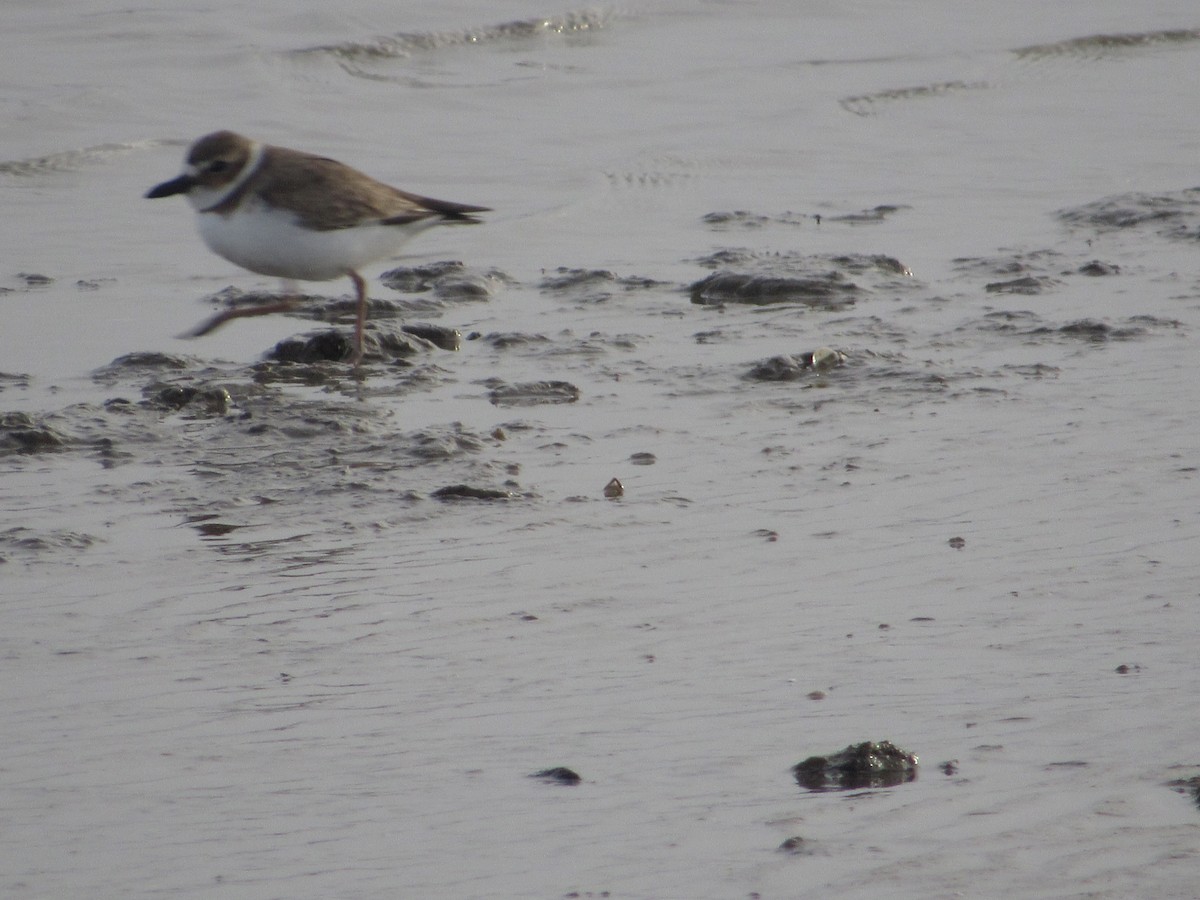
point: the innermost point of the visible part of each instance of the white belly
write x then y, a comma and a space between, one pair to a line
268, 241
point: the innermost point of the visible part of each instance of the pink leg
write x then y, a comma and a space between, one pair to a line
360, 286
240, 312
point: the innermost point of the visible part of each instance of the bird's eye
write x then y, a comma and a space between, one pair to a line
218, 165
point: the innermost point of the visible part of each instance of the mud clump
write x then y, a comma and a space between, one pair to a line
448, 280
1187, 786
1027, 285
558, 775
865, 765
441, 336
1173, 215
592, 285
467, 492
380, 342
21, 433
796, 846
531, 393
866, 216
792, 367
214, 401
828, 291
327, 346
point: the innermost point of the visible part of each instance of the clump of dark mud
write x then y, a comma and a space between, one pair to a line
1026, 284
470, 492
866, 765
133, 364
210, 400
592, 285
721, 221
1098, 269
13, 380
797, 846
1174, 215
861, 264
255, 445
1032, 273
507, 340
449, 281
1103, 46
20, 538
531, 393
831, 282
380, 343
864, 217
326, 346
558, 775
1188, 786
1029, 325
830, 291
22, 433
441, 336
430, 290
1033, 263
792, 367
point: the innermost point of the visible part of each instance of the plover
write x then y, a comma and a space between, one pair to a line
297, 216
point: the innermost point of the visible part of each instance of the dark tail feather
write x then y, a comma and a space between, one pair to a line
448, 210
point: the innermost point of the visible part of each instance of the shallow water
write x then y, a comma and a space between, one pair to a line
250, 652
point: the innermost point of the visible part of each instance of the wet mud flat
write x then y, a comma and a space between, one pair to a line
830, 469
776, 547
302, 410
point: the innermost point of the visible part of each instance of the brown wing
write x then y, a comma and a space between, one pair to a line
327, 195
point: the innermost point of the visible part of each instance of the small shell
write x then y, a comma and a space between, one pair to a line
827, 358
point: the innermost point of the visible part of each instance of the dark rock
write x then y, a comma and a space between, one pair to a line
793, 367
507, 339
439, 335
449, 280
860, 263
781, 368
1029, 284
415, 279
532, 393
1172, 215
737, 217
1187, 786
466, 492
867, 216
865, 765
828, 291
796, 846
565, 279
558, 775
1096, 268
21, 433
1098, 332
592, 285
151, 361
327, 346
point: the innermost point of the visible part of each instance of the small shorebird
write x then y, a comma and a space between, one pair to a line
297, 216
